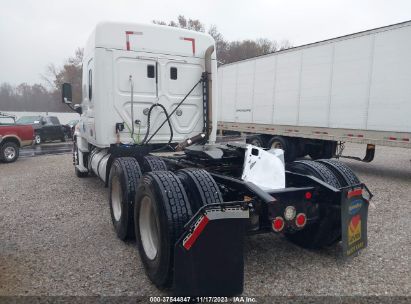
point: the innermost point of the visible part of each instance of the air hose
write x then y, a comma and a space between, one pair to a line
148, 124
145, 141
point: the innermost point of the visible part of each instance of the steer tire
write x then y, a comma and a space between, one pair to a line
124, 176
200, 187
9, 152
153, 163
256, 141
327, 230
161, 211
344, 174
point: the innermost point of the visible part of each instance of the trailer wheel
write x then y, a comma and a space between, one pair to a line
287, 144
161, 211
344, 174
327, 230
200, 187
153, 163
124, 176
255, 141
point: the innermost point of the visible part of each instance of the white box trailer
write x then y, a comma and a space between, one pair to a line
355, 88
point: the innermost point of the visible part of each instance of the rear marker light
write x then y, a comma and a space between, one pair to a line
300, 220
278, 224
308, 195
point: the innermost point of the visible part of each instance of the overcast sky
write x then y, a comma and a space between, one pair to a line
36, 33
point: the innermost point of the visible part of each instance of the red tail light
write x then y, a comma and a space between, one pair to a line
300, 220
278, 224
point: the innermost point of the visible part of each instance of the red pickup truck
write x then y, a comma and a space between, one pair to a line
13, 137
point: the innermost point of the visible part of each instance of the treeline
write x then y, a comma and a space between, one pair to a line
230, 51
41, 98
25, 97
47, 98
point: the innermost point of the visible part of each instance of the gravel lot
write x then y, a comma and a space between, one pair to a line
56, 238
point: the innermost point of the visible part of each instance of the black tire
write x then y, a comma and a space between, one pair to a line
124, 176
153, 163
327, 230
9, 152
171, 211
315, 169
200, 187
287, 144
256, 141
37, 139
344, 174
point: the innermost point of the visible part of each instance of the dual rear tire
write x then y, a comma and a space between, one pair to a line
125, 173
164, 203
327, 230
154, 208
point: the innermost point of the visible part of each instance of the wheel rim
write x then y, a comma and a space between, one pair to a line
255, 142
116, 195
37, 139
277, 145
9, 153
149, 228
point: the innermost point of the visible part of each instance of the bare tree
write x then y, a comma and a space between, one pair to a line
230, 51
182, 22
70, 72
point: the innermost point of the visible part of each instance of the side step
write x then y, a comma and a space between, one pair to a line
208, 257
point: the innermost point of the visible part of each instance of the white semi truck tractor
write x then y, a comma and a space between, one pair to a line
148, 130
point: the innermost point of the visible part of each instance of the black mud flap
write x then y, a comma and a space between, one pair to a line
354, 214
208, 257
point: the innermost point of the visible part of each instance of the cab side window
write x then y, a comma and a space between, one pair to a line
150, 71
173, 73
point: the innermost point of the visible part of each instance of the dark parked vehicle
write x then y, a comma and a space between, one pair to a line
69, 127
46, 128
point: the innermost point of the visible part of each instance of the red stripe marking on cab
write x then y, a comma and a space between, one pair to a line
193, 44
128, 33
196, 233
355, 192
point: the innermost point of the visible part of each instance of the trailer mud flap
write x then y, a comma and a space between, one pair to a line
208, 257
354, 214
